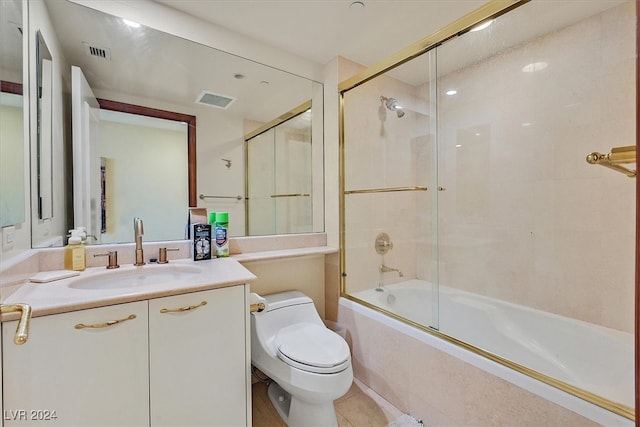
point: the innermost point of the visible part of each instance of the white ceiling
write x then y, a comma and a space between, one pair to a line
150, 64
319, 30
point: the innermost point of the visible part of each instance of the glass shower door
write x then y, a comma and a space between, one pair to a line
279, 178
390, 192
536, 244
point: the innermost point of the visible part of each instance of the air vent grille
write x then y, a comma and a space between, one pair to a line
213, 99
97, 52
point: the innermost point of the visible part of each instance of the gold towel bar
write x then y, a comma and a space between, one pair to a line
386, 190
238, 197
613, 160
273, 196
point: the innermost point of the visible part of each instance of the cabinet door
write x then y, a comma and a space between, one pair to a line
70, 375
198, 359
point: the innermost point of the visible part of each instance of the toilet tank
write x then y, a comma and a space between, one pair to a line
284, 309
286, 299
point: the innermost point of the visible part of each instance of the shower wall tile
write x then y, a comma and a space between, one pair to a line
533, 223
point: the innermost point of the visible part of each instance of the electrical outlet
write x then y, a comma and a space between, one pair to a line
8, 237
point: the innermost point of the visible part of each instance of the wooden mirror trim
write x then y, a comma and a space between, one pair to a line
167, 115
10, 87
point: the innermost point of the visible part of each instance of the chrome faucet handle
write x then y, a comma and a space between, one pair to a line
162, 255
113, 259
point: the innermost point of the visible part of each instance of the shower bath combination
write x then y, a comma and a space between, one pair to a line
392, 105
383, 245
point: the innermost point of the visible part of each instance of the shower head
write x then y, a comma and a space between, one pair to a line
392, 105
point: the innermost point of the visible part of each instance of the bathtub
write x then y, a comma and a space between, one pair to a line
587, 356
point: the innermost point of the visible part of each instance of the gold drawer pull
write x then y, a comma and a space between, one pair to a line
105, 324
181, 309
22, 331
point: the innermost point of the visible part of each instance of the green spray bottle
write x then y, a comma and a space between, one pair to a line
220, 231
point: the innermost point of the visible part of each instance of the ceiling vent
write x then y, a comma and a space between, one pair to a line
213, 99
98, 52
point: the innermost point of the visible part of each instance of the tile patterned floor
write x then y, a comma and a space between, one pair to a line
360, 407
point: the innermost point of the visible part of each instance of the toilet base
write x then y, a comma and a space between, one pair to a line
297, 413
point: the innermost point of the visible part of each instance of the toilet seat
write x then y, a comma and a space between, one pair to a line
312, 348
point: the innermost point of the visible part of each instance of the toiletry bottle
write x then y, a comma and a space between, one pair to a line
220, 231
74, 255
81, 233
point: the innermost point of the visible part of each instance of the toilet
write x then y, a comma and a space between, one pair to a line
310, 365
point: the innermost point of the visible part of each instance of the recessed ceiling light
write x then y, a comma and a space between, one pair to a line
356, 5
534, 66
451, 92
458, 145
132, 24
482, 26
526, 124
238, 76
264, 83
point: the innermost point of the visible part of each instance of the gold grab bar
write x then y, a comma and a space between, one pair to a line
290, 195
259, 306
386, 190
238, 197
22, 331
181, 309
613, 160
106, 324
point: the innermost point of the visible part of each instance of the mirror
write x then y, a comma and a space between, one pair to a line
279, 190
44, 144
12, 179
228, 96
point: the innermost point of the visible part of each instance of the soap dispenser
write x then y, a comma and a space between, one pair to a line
74, 255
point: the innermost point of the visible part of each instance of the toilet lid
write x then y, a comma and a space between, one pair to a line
312, 348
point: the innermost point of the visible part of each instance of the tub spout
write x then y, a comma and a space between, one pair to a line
384, 269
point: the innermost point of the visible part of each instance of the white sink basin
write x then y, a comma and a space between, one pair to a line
147, 275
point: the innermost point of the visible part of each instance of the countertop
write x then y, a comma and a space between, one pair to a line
64, 295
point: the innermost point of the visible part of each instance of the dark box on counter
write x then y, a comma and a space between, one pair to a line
201, 242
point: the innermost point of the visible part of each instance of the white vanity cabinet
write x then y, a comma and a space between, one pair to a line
83, 368
182, 360
198, 366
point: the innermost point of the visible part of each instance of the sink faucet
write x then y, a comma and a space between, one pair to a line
384, 269
138, 231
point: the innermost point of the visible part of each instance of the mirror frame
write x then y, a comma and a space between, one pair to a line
44, 146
